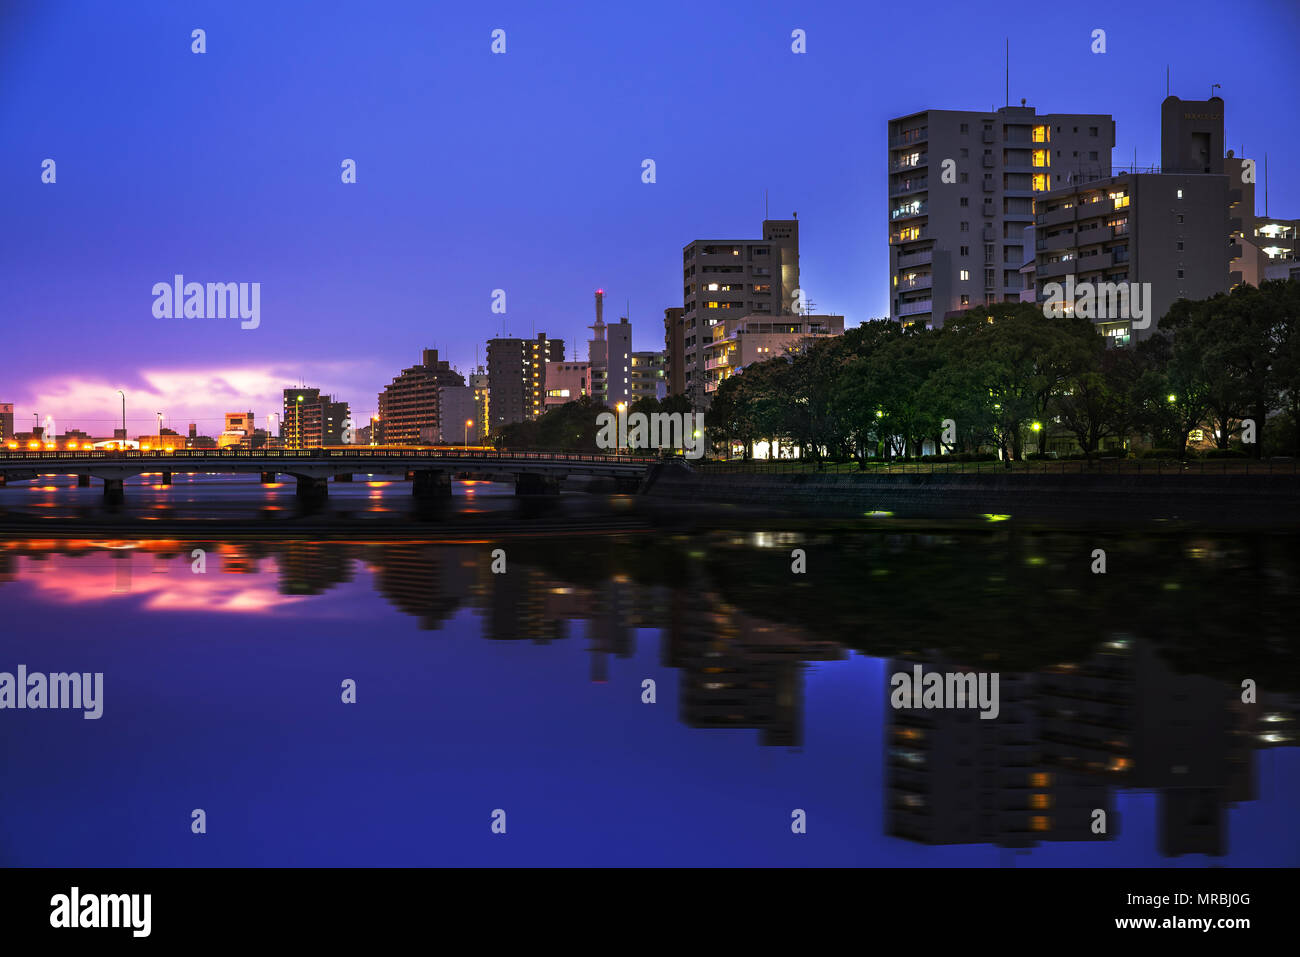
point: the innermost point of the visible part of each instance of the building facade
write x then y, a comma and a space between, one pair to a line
674, 350
722, 278
1171, 228
567, 382
6, 421
410, 402
649, 375
516, 370
748, 339
962, 187
312, 420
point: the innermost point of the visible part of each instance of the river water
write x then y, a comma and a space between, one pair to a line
227, 623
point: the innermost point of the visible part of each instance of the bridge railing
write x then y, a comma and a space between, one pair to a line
163, 456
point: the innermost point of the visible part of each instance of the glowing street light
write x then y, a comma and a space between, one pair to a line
1172, 397
123, 395
468, 423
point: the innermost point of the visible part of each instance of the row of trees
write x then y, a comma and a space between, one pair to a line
996, 375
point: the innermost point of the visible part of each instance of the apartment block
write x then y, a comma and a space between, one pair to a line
674, 350
6, 420
649, 375
748, 339
410, 403
517, 377
723, 278
1172, 227
311, 420
962, 187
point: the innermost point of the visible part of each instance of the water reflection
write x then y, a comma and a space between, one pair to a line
1110, 685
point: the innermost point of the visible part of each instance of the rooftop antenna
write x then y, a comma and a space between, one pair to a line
1008, 65
765, 204
1166, 79
1265, 184
1213, 87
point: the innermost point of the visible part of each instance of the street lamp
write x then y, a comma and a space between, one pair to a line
123, 395
468, 423
621, 407
159, 414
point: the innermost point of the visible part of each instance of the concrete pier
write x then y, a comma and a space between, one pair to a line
431, 483
314, 489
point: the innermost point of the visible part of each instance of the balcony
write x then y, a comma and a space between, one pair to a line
915, 308
909, 210
1052, 270
916, 259
913, 184
920, 282
910, 236
910, 137
897, 166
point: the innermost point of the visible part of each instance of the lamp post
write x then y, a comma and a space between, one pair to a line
468, 423
159, 414
123, 395
620, 407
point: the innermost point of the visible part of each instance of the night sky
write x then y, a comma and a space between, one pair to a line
519, 171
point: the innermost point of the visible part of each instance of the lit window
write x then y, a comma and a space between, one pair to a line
965, 274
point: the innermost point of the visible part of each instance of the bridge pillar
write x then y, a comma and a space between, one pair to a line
312, 488
268, 478
167, 478
430, 483
113, 493
83, 481
343, 477
531, 483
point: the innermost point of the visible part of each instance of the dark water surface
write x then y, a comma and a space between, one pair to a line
522, 691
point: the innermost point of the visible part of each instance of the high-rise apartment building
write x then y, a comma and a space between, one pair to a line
6, 421
725, 278
1172, 227
517, 377
609, 353
312, 420
478, 381
410, 402
962, 187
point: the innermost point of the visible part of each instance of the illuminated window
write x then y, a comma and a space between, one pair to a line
1042, 158
1042, 134
1040, 823
1040, 801
1040, 780
1042, 182
965, 274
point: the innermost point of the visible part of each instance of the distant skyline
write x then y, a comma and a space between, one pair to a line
519, 171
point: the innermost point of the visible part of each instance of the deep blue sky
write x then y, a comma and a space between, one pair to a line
519, 171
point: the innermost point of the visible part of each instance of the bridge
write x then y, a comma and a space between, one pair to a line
430, 469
